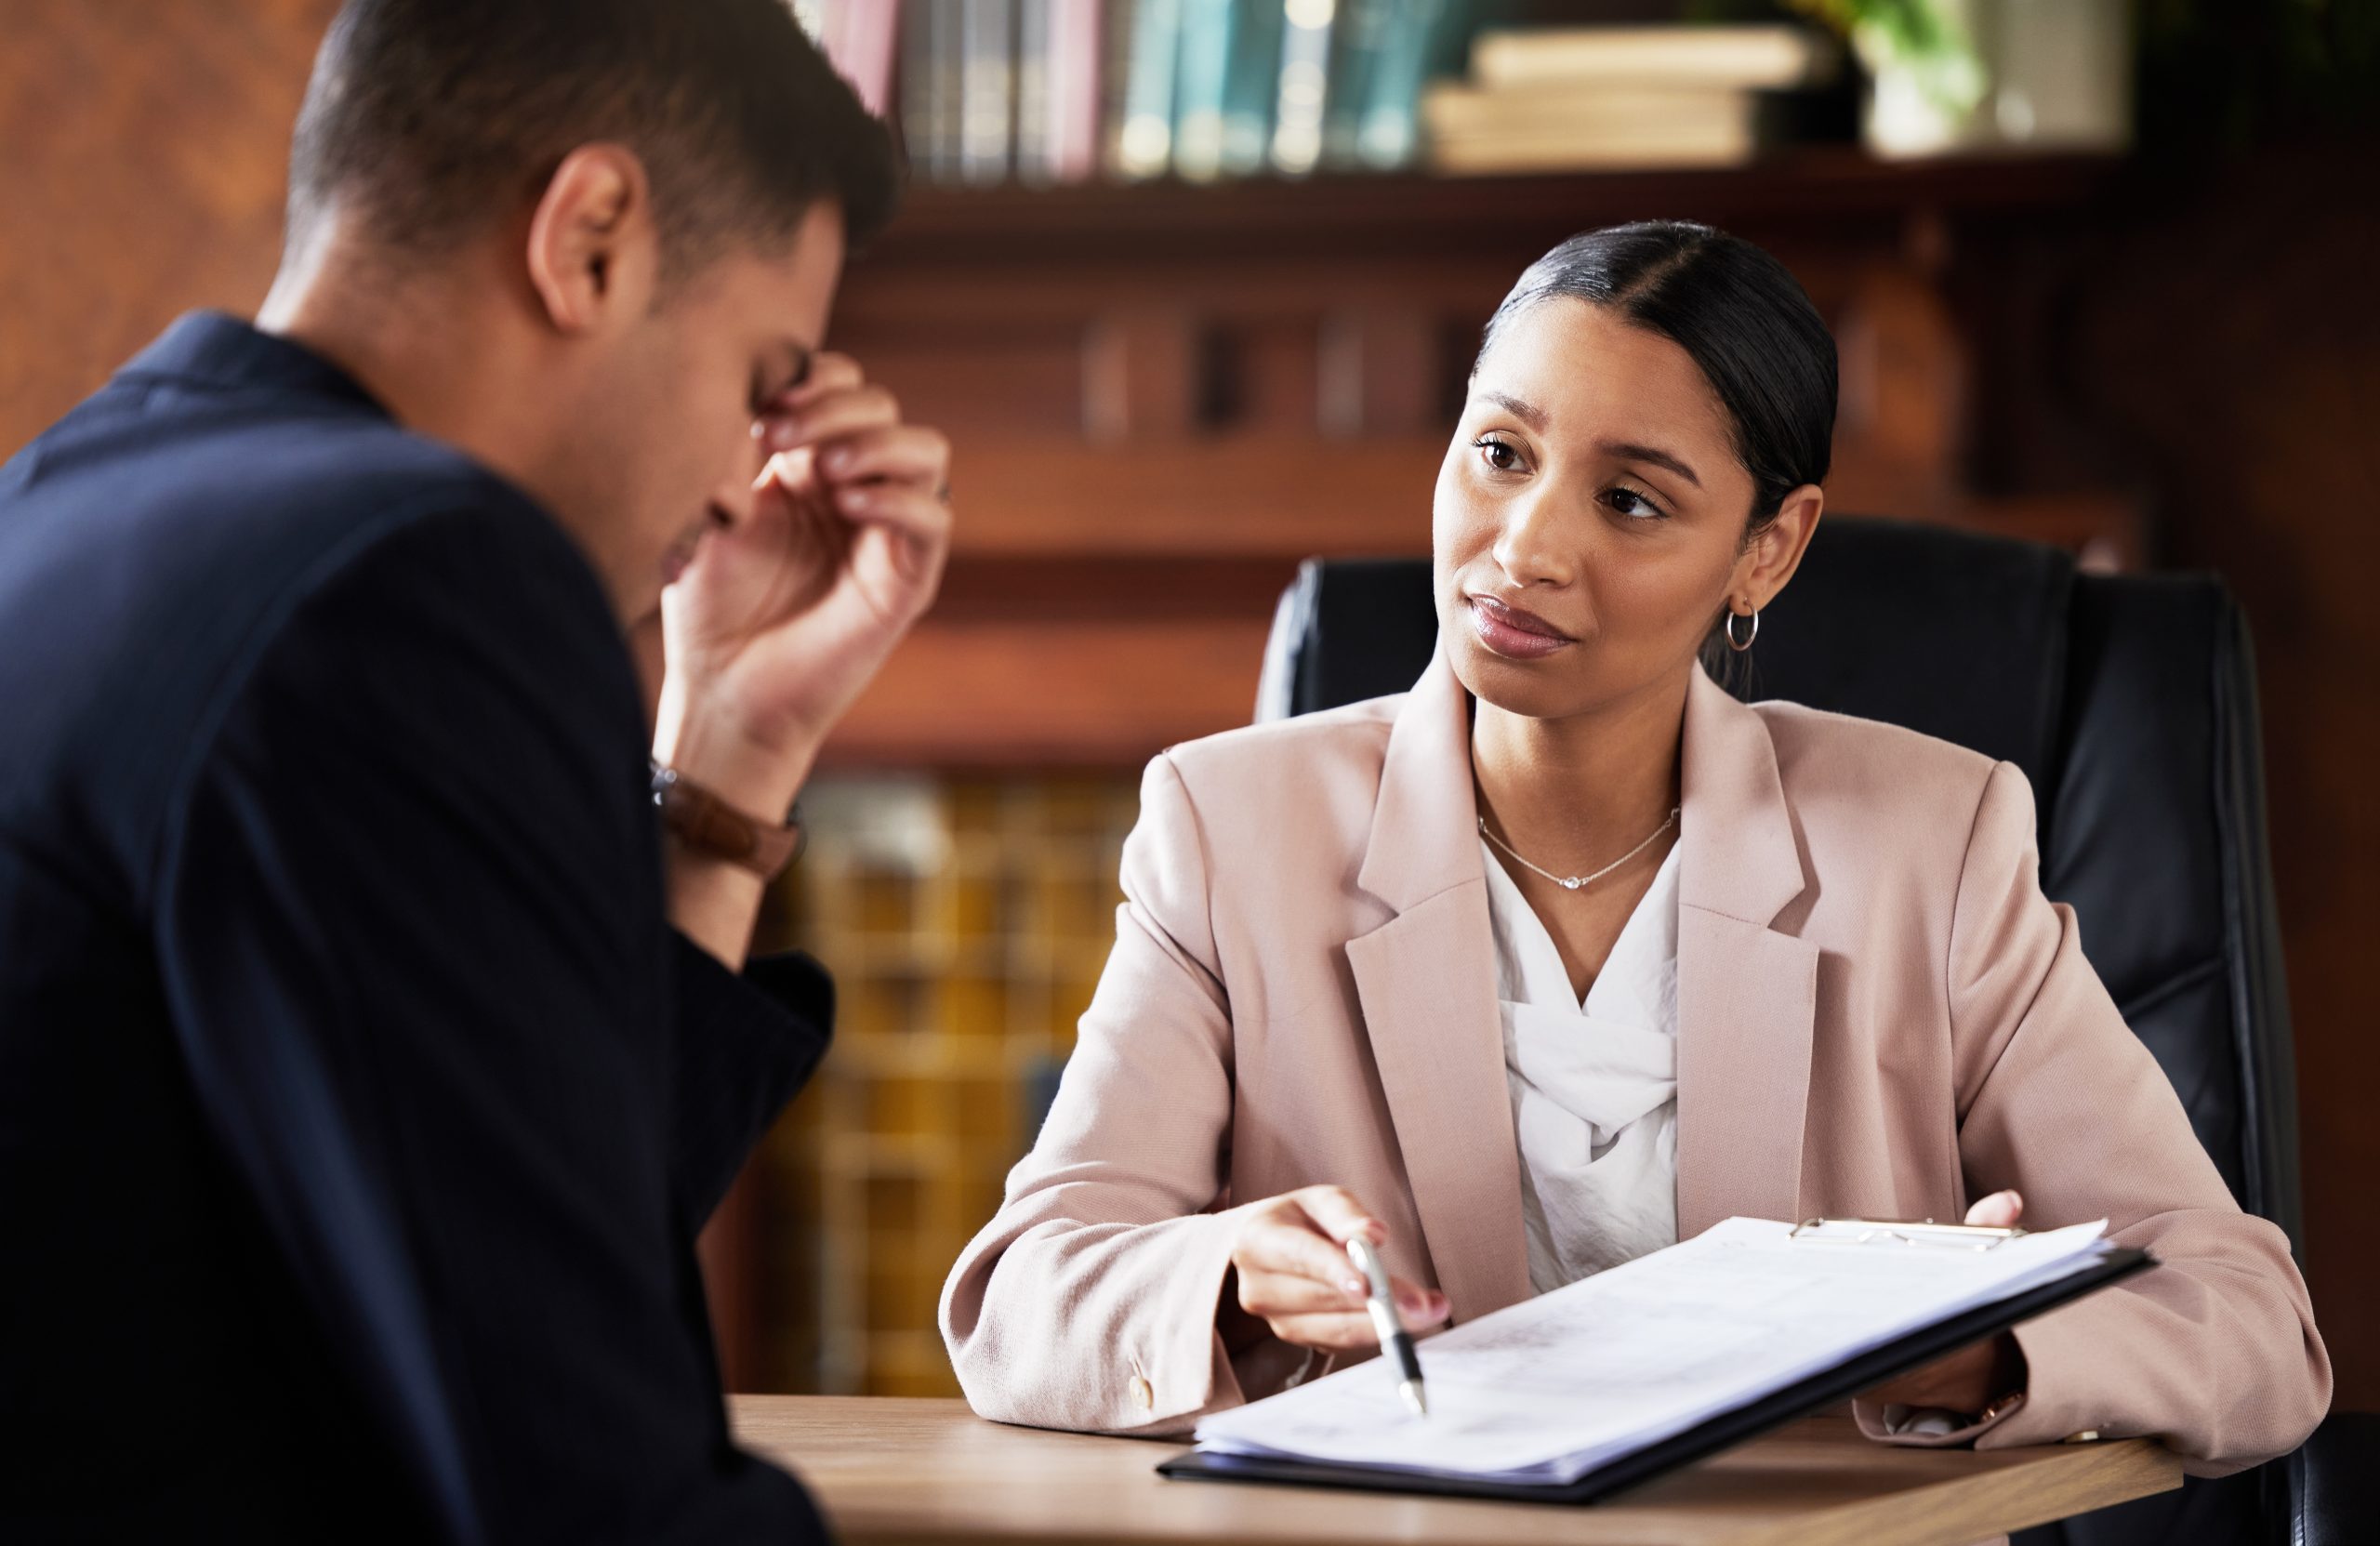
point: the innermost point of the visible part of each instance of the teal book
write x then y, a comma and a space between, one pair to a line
1357, 45
1145, 145
1306, 78
1252, 84
1205, 51
1386, 132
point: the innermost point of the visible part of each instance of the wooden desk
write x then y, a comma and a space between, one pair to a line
917, 1472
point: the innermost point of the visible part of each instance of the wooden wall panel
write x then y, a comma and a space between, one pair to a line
143, 153
2227, 334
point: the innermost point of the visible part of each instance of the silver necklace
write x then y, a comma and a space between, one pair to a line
1572, 883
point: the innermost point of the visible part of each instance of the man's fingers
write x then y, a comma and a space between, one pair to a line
901, 506
828, 416
2000, 1210
910, 452
828, 372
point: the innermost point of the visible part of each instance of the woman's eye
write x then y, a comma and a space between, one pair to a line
1498, 454
1628, 502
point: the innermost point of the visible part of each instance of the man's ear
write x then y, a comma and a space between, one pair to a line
1777, 551
593, 251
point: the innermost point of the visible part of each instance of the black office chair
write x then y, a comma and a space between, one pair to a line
2130, 702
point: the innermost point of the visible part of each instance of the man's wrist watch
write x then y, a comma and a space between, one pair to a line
707, 825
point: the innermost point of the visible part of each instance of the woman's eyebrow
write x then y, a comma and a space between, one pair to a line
1629, 451
1526, 412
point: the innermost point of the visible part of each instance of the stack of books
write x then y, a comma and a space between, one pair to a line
1040, 91
1610, 97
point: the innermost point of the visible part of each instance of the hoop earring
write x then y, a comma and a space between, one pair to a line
1741, 645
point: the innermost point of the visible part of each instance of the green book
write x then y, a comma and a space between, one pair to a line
1305, 76
1386, 136
1356, 44
1251, 85
1146, 145
1205, 49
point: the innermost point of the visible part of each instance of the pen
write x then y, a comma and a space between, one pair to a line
1394, 1340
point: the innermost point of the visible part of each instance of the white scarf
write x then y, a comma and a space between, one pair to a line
1593, 1085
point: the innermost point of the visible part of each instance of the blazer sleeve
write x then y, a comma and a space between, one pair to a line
1088, 1301
408, 922
2214, 1351
744, 1045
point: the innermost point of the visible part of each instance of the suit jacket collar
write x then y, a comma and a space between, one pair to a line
216, 349
1747, 994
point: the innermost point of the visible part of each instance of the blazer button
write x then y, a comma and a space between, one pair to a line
1142, 1396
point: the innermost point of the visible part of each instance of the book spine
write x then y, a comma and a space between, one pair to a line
1204, 67
1250, 85
1385, 133
1355, 48
930, 46
1120, 20
863, 45
1074, 88
1033, 150
1147, 139
987, 90
1304, 87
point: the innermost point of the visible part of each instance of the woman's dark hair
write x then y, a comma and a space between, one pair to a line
1743, 319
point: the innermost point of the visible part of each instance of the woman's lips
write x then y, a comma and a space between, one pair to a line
1515, 634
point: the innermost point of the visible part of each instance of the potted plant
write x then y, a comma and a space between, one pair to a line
1953, 75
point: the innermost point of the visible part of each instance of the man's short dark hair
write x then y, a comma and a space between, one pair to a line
429, 120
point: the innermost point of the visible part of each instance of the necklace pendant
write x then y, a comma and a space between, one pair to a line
1573, 883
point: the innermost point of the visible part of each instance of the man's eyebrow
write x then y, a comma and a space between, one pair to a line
1629, 451
1526, 412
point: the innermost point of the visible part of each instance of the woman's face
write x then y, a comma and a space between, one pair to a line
1590, 516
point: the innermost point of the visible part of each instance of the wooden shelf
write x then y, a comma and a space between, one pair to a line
1810, 186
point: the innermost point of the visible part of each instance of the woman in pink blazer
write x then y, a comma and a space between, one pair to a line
1355, 984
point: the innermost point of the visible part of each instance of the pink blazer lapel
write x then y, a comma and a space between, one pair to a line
1747, 994
1426, 981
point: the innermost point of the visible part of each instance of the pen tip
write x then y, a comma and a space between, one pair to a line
1415, 1399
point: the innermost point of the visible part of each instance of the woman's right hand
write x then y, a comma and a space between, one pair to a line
1295, 1276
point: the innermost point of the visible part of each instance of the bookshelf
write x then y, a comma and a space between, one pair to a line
966, 921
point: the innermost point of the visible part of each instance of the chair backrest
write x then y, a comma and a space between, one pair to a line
2130, 702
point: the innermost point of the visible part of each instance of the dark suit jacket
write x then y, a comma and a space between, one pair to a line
358, 1105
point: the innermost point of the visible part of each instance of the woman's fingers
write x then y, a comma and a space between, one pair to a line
2000, 1210
1272, 1295
1276, 1243
1336, 1212
1342, 1333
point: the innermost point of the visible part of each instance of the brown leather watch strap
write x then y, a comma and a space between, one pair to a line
709, 825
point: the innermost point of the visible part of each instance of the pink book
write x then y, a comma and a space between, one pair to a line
1073, 89
859, 36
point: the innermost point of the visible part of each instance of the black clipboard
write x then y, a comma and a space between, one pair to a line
1800, 1398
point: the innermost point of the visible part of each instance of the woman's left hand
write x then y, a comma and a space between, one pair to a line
1973, 1378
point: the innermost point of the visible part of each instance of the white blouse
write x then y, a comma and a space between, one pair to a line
1593, 1085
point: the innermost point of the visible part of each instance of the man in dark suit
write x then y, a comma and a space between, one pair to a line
368, 1055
